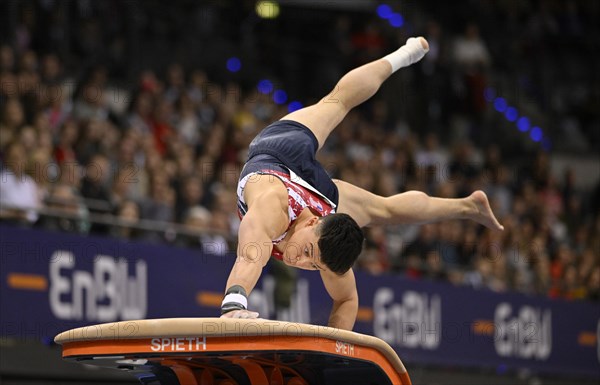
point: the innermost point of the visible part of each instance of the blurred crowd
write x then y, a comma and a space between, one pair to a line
86, 151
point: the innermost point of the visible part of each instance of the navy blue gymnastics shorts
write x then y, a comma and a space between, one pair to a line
289, 144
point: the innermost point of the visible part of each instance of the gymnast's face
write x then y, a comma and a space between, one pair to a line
302, 250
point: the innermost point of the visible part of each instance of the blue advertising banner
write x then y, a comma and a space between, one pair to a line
51, 282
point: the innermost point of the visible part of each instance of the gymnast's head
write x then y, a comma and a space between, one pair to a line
329, 243
340, 242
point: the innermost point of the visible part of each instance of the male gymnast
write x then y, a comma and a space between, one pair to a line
292, 210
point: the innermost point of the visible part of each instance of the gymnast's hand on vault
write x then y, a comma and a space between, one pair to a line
240, 314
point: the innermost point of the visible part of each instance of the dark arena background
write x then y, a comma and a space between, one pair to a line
124, 126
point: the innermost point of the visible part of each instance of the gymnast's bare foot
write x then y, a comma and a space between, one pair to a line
482, 212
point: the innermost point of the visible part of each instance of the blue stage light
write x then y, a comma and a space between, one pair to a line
280, 97
396, 20
294, 106
384, 11
523, 124
536, 134
511, 114
265, 86
234, 64
489, 94
500, 104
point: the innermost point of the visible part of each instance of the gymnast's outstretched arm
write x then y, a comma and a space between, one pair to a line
342, 290
266, 219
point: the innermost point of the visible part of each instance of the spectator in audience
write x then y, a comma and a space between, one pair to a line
572, 288
96, 180
219, 223
94, 188
7, 58
13, 118
51, 70
65, 148
19, 194
67, 212
197, 220
122, 185
187, 122
191, 195
434, 268
128, 214
426, 241
140, 118
161, 125
90, 102
543, 279
369, 261
206, 231
471, 60
593, 284
160, 205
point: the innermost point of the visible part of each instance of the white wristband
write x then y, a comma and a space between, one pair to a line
237, 298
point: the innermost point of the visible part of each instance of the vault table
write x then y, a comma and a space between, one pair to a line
219, 351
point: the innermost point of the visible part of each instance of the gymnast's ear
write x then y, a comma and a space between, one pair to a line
313, 221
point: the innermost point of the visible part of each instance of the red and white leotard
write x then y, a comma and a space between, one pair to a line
300, 196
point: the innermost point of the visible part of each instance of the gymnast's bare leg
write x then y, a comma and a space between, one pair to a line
366, 208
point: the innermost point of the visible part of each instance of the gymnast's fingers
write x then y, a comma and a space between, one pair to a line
241, 314
246, 314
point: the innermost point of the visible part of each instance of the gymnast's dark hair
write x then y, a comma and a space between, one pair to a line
340, 242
